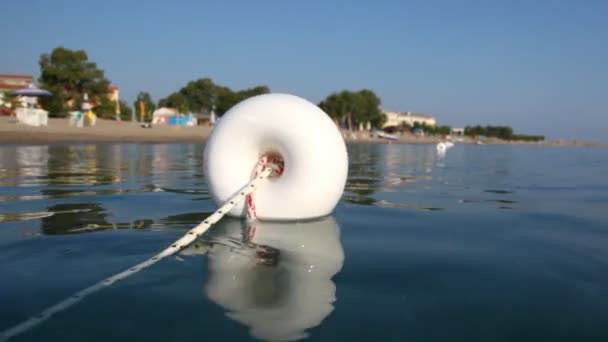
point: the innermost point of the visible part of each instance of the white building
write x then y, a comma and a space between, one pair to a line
458, 131
395, 119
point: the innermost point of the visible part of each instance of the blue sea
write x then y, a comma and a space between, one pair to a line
486, 243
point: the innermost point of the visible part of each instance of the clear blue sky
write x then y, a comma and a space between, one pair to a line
539, 66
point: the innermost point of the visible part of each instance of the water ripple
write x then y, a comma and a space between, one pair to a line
36, 215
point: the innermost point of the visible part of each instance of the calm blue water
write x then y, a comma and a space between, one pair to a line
492, 243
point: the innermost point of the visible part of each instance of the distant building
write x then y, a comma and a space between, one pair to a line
114, 93
114, 96
161, 115
13, 82
457, 131
396, 119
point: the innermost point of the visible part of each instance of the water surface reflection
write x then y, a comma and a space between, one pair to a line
475, 246
390, 176
276, 279
99, 164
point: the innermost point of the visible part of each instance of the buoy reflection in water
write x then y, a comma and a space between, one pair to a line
275, 278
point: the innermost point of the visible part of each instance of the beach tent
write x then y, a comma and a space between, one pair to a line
162, 115
170, 116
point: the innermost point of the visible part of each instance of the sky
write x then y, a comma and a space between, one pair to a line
538, 66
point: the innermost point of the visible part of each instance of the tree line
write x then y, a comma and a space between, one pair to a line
501, 132
433, 130
68, 74
354, 108
202, 96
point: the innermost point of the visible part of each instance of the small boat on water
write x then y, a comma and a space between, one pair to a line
387, 136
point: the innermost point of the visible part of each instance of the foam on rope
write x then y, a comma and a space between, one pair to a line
285, 127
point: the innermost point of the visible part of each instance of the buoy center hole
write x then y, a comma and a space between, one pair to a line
275, 159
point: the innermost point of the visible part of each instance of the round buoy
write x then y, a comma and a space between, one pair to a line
288, 130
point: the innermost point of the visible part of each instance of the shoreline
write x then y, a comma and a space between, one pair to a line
59, 131
109, 131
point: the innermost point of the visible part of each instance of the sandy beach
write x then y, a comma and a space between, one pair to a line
59, 131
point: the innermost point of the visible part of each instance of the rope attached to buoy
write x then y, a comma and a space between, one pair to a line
277, 165
264, 169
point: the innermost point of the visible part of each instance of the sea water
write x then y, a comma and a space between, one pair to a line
493, 243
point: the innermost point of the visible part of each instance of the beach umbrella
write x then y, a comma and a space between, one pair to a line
31, 92
29, 95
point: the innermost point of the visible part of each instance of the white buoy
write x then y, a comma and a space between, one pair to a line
443, 147
291, 129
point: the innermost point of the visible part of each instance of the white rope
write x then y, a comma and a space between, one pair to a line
184, 241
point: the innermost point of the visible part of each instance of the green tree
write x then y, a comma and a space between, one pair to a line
68, 74
105, 108
125, 111
502, 132
200, 95
150, 106
203, 95
370, 109
226, 98
175, 100
333, 106
356, 107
